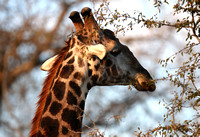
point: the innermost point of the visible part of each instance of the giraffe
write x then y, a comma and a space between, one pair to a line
91, 57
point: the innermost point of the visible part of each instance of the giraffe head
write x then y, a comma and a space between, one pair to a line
119, 66
92, 56
109, 62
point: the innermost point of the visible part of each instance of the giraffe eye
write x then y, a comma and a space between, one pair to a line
115, 52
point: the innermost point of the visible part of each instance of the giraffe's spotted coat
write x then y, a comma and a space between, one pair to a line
59, 89
50, 126
71, 99
95, 78
82, 105
75, 87
55, 108
67, 71
78, 76
89, 73
39, 134
97, 67
72, 42
70, 116
80, 62
89, 86
86, 94
48, 101
75, 72
68, 55
71, 61
64, 130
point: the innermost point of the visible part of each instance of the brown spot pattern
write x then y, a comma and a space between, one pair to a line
68, 55
75, 87
64, 130
50, 126
59, 90
72, 42
78, 75
55, 108
48, 101
89, 72
70, 117
86, 95
71, 99
39, 134
71, 61
67, 71
95, 78
80, 62
97, 66
82, 105
89, 86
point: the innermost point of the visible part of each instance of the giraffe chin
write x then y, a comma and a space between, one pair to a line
144, 84
145, 87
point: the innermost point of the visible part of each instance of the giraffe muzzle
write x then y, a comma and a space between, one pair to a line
144, 84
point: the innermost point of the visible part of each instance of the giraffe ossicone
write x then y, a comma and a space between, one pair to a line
91, 57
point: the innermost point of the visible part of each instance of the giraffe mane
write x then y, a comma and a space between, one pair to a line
45, 91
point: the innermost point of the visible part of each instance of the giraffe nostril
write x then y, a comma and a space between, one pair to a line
146, 86
152, 87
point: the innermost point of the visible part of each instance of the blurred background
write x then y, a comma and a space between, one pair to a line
32, 31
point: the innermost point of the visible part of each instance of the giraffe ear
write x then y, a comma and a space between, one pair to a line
98, 50
47, 65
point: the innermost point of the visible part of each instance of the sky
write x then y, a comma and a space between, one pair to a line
137, 114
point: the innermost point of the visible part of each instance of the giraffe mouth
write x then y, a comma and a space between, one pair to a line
142, 83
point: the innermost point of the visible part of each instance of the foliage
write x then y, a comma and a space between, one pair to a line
28, 38
185, 78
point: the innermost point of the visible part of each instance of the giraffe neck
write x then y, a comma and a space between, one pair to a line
65, 102
64, 112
